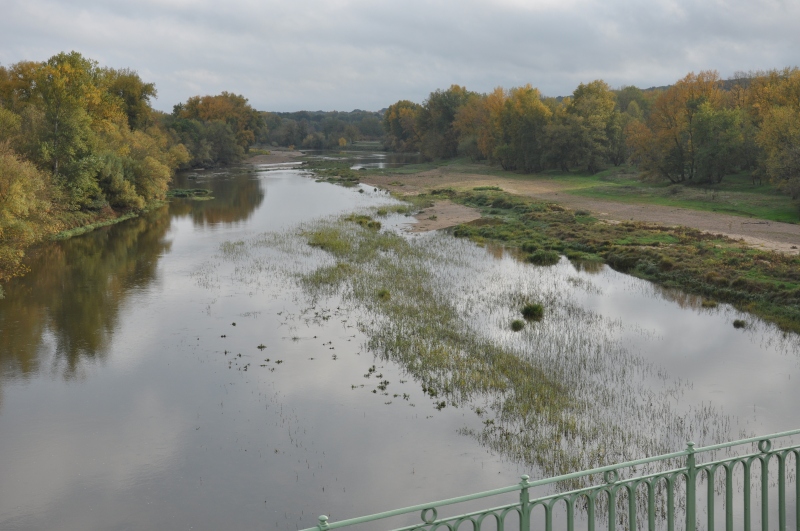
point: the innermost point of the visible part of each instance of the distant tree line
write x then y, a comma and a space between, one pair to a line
216, 129
321, 130
700, 129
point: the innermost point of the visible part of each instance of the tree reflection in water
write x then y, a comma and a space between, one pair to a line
64, 313
236, 197
73, 294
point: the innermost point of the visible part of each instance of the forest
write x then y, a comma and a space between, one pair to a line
322, 130
81, 144
700, 129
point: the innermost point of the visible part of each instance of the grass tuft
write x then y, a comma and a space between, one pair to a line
533, 312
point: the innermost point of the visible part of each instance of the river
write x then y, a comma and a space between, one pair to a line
149, 381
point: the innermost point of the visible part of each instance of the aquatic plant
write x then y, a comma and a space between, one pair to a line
710, 265
544, 257
517, 325
561, 398
533, 311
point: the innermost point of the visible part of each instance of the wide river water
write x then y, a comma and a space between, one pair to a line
150, 381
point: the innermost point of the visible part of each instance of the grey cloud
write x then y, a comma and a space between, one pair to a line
365, 54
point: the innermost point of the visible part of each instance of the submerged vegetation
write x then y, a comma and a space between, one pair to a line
533, 312
712, 266
548, 395
194, 193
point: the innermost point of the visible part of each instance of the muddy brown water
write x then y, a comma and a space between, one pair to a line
130, 400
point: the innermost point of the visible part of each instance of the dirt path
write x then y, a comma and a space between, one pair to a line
771, 235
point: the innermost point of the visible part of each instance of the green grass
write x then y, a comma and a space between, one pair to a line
736, 195
333, 171
83, 229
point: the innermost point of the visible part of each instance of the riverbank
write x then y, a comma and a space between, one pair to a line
714, 266
571, 192
748, 262
275, 156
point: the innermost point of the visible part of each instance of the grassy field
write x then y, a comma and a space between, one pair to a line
736, 195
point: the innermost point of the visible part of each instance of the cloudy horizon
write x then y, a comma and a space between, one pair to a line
344, 55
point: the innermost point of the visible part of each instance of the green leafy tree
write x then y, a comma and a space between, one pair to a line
65, 89
523, 121
718, 142
132, 94
435, 122
597, 123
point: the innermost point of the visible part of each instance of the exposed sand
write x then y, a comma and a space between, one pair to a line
443, 214
275, 157
771, 235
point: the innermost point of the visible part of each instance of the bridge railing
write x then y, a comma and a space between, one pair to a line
622, 498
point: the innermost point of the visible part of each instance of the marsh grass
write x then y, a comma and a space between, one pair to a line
194, 193
544, 257
712, 266
333, 171
83, 229
561, 396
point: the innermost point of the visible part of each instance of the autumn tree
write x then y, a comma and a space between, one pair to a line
400, 125
233, 109
673, 124
478, 124
779, 135
23, 209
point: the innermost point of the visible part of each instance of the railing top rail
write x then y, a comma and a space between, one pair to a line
526, 483
745, 441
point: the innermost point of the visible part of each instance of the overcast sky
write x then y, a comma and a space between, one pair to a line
367, 54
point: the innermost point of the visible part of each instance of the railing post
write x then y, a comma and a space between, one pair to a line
323, 523
524, 505
691, 487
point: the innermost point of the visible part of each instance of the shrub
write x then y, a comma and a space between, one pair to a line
738, 323
517, 325
533, 312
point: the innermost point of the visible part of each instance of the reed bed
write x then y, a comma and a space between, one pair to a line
562, 394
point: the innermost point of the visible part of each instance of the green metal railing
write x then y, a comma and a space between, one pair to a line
654, 500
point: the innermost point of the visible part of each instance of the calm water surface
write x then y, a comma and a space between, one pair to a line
130, 400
